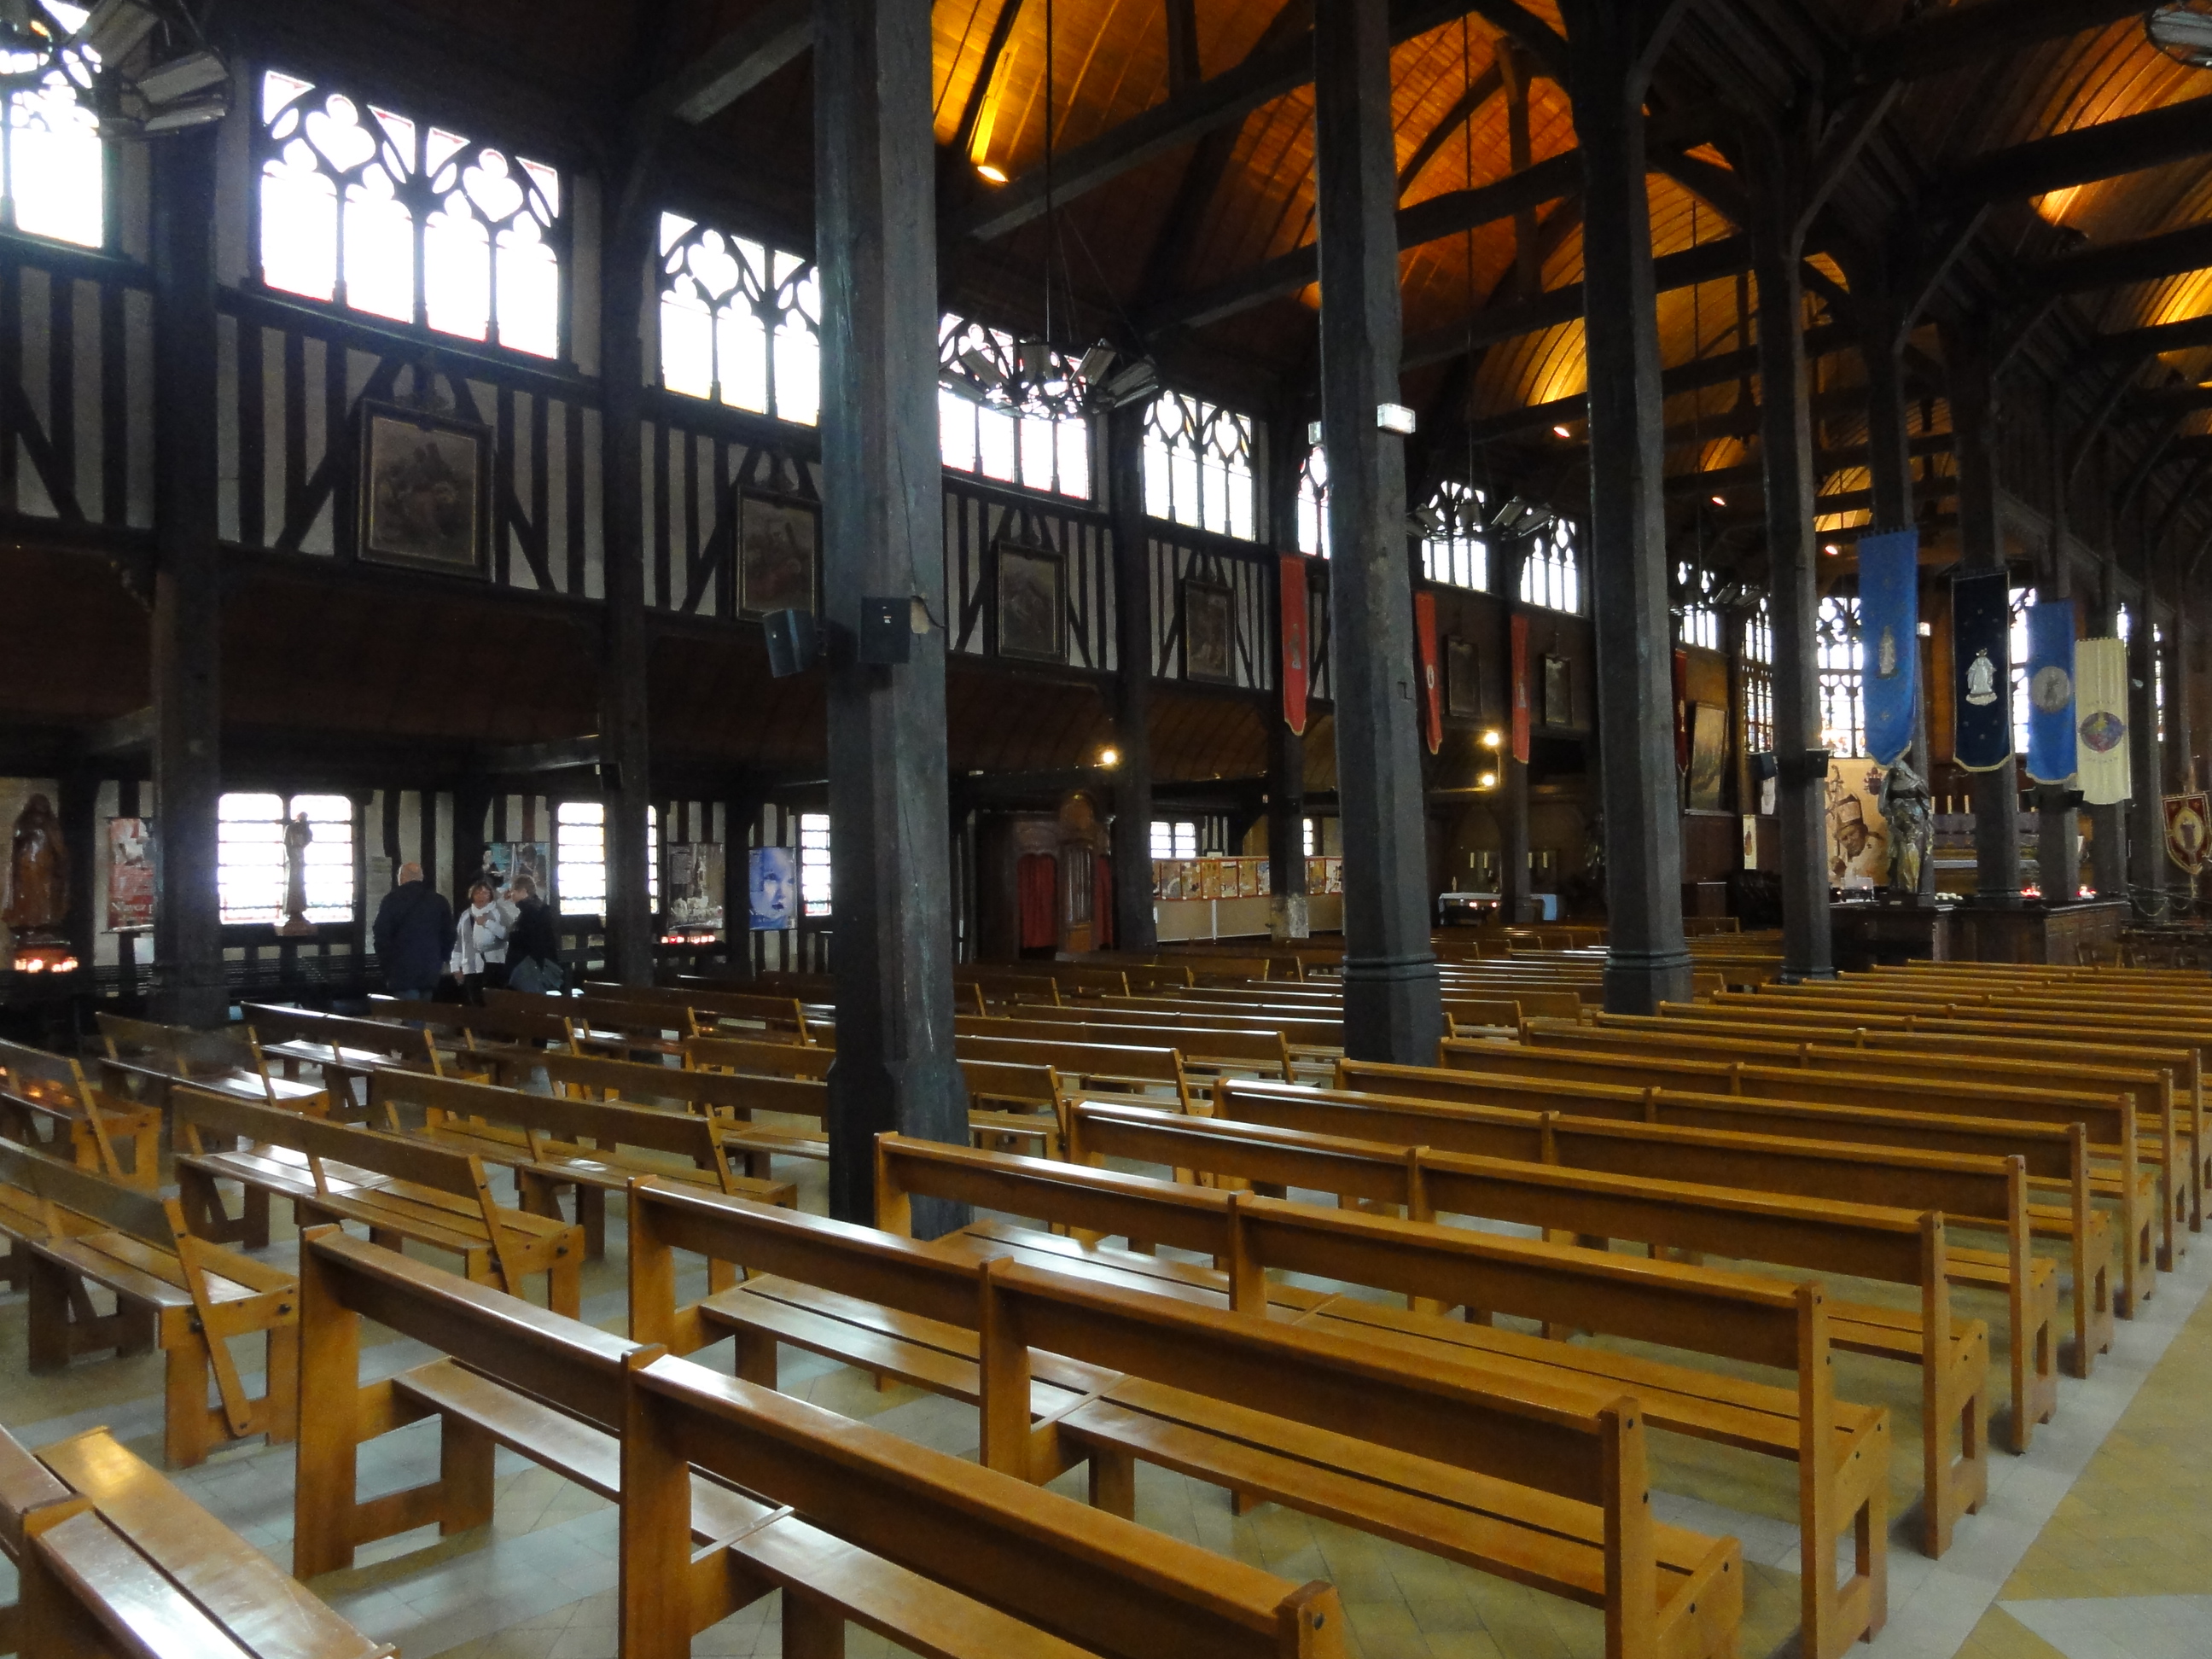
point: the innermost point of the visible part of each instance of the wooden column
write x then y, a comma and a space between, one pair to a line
1514, 902
471, 810
1392, 1005
2147, 859
187, 623
77, 808
1288, 917
1996, 794
883, 536
1785, 436
1130, 835
1613, 42
625, 745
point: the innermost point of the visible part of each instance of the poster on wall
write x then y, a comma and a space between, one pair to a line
1708, 756
772, 888
129, 875
506, 860
692, 891
1858, 835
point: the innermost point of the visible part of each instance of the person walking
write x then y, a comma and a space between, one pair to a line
480, 938
533, 943
414, 934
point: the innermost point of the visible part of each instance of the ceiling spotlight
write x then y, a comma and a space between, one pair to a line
1561, 431
2183, 32
1720, 500
1833, 549
157, 71
1109, 758
1491, 739
1488, 781
990, 174
1096, 362
115, 28
1133, 382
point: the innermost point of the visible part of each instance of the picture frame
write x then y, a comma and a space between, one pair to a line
1708, 757
772, 888
778, 553
1029, 593
692, 894
424, 491
129, 875
1462, 686
1209, 632
1558, 692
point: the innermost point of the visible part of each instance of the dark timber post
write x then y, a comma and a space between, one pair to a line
1131, 833
1614, 42
625, 745
1512, 797
187, 643
1785, 433
883, 527
1392, 1005
2146, 835
1996, 794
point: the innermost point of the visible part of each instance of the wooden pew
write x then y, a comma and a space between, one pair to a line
622, 1026
397, 1186
1375, 1442
1978, 1193
173, 1291
45, 1091
1132, 1068
144, 1059
113, 1560
1213, 1048
845, 1522
338, 1046
542, 1138
784, 1015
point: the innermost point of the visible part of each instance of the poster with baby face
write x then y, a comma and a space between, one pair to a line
1858, 835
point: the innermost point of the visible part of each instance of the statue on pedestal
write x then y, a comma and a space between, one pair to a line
1904, 807
298, 837
38, 873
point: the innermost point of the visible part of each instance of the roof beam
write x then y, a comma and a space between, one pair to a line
2158, 401
2085, 155
1181, 119
522, 759
1827, 462
1484, 87
1946, 39
971, 112
771, 37
2188, 334
2148, 259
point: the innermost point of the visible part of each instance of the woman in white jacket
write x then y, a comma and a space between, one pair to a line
480, 942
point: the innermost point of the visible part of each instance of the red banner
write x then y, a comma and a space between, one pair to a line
1519, 734
1292, 586
1432, 690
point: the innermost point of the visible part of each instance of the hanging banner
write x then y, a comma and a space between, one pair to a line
1981, 674
2101, 720
2050, 745
1889, 631
1518, 632
1292, 588
1432, 690
2187, 831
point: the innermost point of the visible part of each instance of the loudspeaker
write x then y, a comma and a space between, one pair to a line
886, 630
793, 641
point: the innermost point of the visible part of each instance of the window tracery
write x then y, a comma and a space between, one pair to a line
1456, 542
1197, 464
740, 322
1550, 573
1011, 411
52, 166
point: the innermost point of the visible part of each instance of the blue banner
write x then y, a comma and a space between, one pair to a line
1889, 638
2050, 692
1981, 670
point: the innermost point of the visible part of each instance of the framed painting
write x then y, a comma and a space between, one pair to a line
1708, 756
425, 492
1209, 632
692, 889
777, 540
1463, 690
129, 875
1030, 600
772, 888
1558, 692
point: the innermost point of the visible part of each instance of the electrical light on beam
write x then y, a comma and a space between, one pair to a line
1488, 781
990, 172
1833, 549
1720, 500
1109, 758
1561, 432
1492, 739
1395, 417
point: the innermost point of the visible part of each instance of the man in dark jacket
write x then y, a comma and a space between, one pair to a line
414, 935
533, 944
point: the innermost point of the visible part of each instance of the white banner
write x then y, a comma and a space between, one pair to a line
2101, 714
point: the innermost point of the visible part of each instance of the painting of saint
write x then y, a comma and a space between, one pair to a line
1031, 606
425, 492
776, 554
1209, 632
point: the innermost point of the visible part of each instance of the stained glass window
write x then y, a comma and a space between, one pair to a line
1843, 715
1455, 548
1313, 503
374, 210
1197, 464
740, 322
1011, 411
1758, 680
52, 168
1551, 575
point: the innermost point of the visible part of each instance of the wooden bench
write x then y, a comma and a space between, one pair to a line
76, 1228
113, 1560
47, 1103
784, 1016
142, 1056
632, 1027
1133, 1069
464, 1026
845, 1522
1386, 1443
341, 1048
398, 1186
1211, 1048
553, 1142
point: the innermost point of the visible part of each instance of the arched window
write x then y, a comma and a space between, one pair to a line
376, 212
53, 177
1197, 464
1011, 411
1455, 544
1758, 680
2017, 647
1843, 716
740, 322
1698, 621
1551, 575
1313, 504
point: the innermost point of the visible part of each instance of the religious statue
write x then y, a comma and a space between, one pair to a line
39, 872
298, 835
1905, 806
1981, 680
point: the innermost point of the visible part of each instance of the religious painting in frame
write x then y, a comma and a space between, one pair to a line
129, 875
1463, 690
1708, 756
692, 889
1030, 596
425, 490
1209, 632
1558, 692
508, 861
778, 537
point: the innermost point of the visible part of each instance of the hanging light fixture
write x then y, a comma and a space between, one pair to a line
157, 71
2183, 31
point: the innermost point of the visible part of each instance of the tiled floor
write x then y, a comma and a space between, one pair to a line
2098, 1545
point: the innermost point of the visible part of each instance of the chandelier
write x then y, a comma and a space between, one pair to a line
2183, 31
143, 66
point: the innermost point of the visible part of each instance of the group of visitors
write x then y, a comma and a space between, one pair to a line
502, 938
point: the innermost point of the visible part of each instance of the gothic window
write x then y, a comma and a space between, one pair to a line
398, 218
1758, 680
1197, 464
1313, 504
1843, 716
251, 876
740, 322
1551, 575
2020, 599
53, 171
1698, 621
1455, 548
1011, 411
